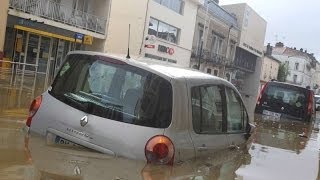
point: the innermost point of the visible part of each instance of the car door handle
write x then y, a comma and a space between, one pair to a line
202, 148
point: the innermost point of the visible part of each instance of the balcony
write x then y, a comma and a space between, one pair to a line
217, 11
247, 67
208, 57
61, 13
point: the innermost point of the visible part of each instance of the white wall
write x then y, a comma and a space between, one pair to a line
185, 22
304, 76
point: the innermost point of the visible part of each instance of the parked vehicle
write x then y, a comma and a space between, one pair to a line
283, 100
137, 110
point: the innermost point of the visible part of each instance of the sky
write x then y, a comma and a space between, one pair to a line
293, 22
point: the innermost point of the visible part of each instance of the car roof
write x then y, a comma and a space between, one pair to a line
166, 70
284, 83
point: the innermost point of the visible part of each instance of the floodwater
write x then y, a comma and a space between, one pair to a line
279, 151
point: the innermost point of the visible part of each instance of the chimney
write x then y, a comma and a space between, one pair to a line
301, 50
269, 50
279, 44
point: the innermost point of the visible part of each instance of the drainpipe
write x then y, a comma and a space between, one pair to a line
144, 27
228, 43
202, 38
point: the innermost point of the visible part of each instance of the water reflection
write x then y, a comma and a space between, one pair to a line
282, 149
69, 163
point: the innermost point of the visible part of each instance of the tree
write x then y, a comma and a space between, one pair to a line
283, 72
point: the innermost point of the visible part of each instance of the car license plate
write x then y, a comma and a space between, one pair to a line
62, 141
273, 114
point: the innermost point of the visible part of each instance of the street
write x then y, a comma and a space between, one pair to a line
276, 153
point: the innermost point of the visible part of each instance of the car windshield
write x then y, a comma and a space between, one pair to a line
115, 91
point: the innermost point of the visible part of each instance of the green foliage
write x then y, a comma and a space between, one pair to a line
283, 72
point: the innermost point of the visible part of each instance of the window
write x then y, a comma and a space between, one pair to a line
216, 47
215, 72
209, 71
124, 93
199, 40
153, 27
228, 77
207, 111
296, 66
163, 30
175, 5
237, 115
231, 51
295, 78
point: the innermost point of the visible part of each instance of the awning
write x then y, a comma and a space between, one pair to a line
44, 33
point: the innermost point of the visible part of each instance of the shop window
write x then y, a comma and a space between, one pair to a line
163, 30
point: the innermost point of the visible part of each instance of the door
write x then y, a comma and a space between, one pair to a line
43, 63
208, 119
237, 118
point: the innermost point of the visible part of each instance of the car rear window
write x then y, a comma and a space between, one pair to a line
114, 90
292, 99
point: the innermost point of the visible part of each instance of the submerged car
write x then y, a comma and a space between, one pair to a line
128, 108
283, 100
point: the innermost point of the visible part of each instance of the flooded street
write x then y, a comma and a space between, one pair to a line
279, 151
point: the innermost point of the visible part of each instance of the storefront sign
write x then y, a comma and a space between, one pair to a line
78, 36
252, 49
149, 46
87, 40
165, 49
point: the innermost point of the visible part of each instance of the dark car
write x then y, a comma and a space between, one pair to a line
283, 100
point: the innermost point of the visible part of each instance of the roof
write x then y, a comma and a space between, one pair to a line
277, 82
166, 70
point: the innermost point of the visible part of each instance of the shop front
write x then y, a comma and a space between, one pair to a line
36, 52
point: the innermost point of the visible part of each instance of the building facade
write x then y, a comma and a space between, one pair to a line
161, 30
215, 40
301, 65
245, 70
40, 33
270, 66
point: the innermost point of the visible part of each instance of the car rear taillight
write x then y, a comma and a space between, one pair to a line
35, 105
310, 104
261, 93
160, 150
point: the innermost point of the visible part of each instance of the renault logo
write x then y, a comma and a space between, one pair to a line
84, 121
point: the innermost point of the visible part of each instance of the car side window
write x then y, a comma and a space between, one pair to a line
237, 115
207, 111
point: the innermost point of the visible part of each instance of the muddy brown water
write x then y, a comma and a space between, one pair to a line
279, 150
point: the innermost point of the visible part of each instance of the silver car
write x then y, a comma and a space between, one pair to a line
129, 108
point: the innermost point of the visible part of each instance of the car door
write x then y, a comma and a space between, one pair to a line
237, 118
208, 119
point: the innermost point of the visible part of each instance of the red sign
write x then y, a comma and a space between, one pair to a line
170, 51
149, 46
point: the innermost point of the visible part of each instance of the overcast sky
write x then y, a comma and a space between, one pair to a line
294, 22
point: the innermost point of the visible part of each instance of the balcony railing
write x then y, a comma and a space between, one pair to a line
208, 57
216, 10
61, 13
242, 66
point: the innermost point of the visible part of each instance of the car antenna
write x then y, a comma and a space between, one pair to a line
128, 53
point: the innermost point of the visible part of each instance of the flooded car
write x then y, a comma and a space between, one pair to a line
283, 100
148, 112
75, 163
